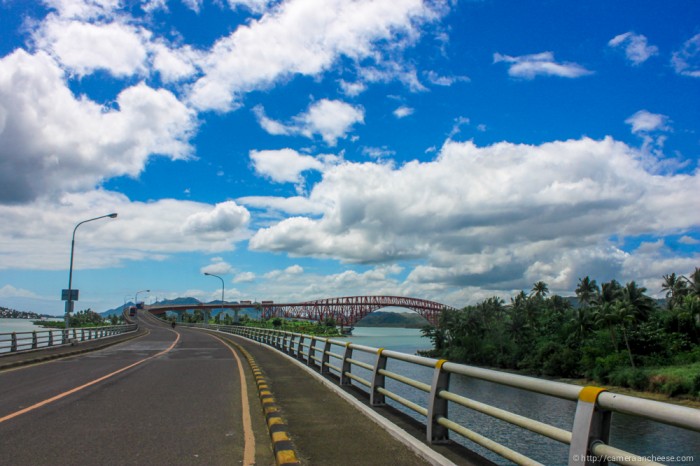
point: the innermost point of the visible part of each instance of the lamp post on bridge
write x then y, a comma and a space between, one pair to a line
70, 294
136, 297
222, 295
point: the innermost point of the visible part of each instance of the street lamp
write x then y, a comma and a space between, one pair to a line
222, 294
70, 294
136, 297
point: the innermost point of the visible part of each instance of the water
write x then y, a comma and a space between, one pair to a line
21, 325
629, 433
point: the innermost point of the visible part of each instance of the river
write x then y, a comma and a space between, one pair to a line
635, 435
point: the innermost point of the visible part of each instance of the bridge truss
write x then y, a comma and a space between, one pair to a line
345, 311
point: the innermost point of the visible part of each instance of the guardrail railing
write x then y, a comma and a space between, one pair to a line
588, 439
15, 342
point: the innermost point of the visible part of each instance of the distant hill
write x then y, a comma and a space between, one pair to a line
392, 319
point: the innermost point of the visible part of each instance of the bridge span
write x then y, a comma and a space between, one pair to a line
346, 311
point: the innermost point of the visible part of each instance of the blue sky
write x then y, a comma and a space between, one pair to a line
304, 149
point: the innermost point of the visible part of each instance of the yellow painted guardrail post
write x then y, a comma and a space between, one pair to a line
378, 380
591, 424
347, 365
437, 406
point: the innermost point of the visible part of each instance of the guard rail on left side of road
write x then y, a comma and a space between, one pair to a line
70, 348
14, 342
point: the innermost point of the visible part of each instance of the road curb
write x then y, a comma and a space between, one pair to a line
424, 451
282, 445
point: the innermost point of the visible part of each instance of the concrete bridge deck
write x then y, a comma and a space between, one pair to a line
175, 396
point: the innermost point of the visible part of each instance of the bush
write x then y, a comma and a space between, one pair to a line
636, 379
605, 366
695, 386
670, 385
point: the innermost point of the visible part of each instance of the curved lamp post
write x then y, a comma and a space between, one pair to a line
69, 295
222, 294
136, 296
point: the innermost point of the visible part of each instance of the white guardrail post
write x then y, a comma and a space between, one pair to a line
437, 406
300, 348
378, 380
326, 358
591, 424
310, 361
347, 366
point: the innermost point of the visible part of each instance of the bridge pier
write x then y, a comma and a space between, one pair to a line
179, 314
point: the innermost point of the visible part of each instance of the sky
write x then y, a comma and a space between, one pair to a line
307, 149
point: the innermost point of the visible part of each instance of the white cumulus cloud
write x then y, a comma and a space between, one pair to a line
540, 64
484, 215
284, 165
686, 61
303, 37
331, 119
637, 50
52, 141
403, 111
142, 231
225, 217
83, 47
645, 122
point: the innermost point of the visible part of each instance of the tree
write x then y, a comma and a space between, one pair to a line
641, 304
86, 318
676, 288
623, 314
694, 282
587, 290
540, 290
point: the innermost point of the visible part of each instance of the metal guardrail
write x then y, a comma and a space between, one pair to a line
588, 439
14, 342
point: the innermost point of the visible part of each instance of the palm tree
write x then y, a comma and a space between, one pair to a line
694, 282
676, 287
642, 304
624, 312
603, 313
609, 292
540, 289
587, 290
605, 316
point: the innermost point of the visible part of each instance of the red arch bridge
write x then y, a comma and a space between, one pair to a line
346, 311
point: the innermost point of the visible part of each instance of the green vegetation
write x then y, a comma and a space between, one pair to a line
326, 328
85, 318
7, 313
615, 335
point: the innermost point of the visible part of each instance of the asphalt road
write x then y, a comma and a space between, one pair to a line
166, 398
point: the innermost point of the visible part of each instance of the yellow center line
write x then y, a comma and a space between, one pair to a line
81, 387
249, 438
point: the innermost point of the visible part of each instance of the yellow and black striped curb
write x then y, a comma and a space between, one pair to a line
282, 446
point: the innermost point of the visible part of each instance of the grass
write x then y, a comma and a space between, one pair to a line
678, 384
